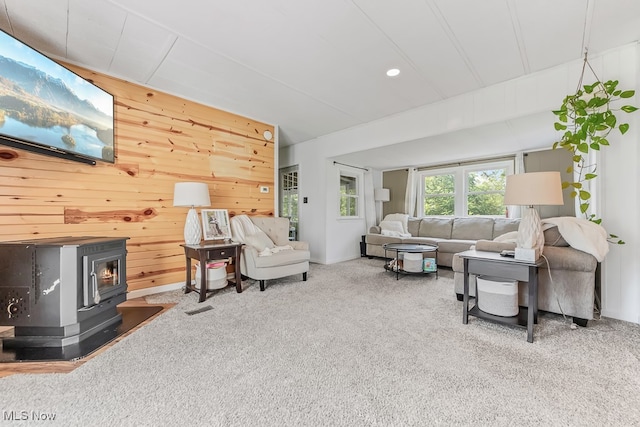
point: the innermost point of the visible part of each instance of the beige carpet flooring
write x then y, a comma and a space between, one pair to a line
351, 346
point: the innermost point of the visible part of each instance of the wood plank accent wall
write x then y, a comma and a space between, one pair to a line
160, 139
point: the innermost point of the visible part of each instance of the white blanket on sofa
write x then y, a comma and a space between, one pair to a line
582, 234
579, 233
393, 228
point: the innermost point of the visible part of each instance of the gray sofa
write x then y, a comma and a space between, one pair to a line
452, 235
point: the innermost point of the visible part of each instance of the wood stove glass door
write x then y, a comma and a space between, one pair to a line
103, 275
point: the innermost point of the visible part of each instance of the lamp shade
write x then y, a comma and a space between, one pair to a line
381, 195
191, 194
528, 189
534, 188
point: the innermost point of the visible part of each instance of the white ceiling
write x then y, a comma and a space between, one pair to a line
314, 67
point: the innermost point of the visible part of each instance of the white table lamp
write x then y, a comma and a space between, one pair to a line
191, 194
380, 195
528, 189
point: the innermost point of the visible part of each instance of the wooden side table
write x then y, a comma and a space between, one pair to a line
206, 252
492, 264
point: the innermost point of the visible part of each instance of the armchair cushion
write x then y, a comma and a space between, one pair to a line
286, 257
259, 240
299, 246
277, 228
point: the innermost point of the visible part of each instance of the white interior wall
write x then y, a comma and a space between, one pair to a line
619, 199
346, 231
332, 241
312, 185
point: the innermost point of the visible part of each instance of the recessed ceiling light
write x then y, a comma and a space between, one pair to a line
393, 72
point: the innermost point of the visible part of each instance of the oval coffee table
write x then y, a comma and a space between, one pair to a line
400, 248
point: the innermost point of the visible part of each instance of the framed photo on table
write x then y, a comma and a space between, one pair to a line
215, 224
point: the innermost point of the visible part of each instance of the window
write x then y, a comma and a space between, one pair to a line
349, 196
474, 189
439, 194
485, 191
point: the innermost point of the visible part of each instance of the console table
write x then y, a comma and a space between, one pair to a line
206, 252
492, 264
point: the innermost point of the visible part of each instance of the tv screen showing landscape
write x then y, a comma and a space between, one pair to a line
46, 108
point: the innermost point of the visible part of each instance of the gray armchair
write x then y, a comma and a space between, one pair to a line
267, 252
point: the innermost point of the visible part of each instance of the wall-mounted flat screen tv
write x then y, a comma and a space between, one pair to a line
48, 109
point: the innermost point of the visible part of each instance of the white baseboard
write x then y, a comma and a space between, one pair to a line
138, 293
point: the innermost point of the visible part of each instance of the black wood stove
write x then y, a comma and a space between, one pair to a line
60, 291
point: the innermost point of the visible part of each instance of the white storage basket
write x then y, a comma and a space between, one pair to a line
216, 275
412, 262
497, 296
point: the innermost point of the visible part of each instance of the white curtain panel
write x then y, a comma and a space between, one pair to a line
411, 194
516, 211
369, 202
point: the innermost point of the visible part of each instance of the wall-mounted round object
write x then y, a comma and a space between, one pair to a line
267, 135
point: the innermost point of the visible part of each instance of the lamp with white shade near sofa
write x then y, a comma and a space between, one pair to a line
529, 189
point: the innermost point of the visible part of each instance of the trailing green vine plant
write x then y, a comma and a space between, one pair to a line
587, 118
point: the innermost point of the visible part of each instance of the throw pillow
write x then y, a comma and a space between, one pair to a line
552, 237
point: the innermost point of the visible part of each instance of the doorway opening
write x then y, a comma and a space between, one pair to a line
289, 198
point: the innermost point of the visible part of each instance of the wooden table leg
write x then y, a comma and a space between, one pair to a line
237, 270
187, 285
465, 295
533, 302
203, 276
531, 310
534, 280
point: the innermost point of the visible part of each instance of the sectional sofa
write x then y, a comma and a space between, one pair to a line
568, 283
452, 235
